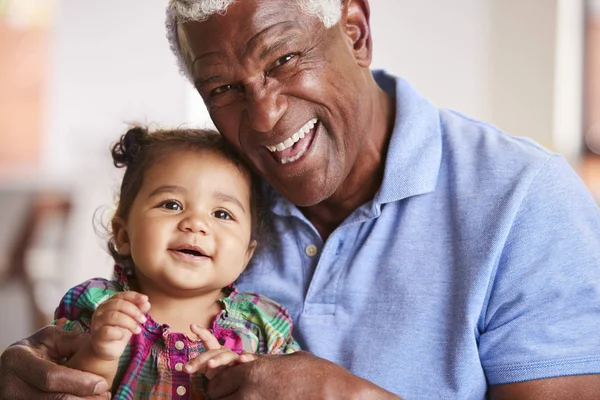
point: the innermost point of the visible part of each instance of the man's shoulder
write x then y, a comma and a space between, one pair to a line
460, 132
487, 152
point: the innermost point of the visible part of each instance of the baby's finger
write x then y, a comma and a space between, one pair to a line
200, 363
109, 333
220, 362
124, 306
209, 341
115, 318
222, 359
140, 300
144, 307
131, 296
247, 357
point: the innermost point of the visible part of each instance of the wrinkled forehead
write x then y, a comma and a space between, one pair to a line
243, 20
246, 25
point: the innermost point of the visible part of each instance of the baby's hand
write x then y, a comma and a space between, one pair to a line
216, 357
114, 321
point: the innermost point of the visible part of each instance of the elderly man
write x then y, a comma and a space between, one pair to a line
422, 254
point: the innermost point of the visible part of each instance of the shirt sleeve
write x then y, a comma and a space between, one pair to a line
74, 313
543, 312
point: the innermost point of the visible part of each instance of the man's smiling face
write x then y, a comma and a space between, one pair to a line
283, 90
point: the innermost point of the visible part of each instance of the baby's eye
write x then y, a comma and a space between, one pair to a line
222, 214
172, 205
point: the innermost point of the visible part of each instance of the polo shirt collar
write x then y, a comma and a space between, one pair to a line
415, 150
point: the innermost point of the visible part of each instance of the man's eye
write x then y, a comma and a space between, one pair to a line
172, 205
222, 214
224, 89
283, 60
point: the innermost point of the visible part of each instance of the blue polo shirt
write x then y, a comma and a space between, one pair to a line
476, 263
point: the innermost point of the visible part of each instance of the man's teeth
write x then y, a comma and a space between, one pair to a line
289, 142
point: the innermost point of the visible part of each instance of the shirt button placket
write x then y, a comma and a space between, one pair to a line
178, 360
181, 390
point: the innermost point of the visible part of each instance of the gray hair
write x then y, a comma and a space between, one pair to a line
328, 11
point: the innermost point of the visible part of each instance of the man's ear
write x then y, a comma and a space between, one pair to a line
355, 16
249, 252
121, 237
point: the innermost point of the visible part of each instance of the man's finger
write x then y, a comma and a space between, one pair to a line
52, 342
12, 388
49, 377
19, 390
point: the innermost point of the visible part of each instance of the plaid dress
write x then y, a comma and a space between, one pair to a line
151, 365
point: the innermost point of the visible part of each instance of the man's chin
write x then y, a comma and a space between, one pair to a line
306, 188
301, 196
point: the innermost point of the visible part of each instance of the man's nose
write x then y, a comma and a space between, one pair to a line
195, 223
265, 107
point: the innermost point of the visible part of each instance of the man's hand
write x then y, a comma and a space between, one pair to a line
295, 376
28, 369
580, 387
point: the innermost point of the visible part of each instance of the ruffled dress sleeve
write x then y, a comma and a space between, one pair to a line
74, 313
260, 325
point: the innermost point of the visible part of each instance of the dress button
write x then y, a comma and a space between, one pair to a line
179, 345
179, 367
181, 390
311, 250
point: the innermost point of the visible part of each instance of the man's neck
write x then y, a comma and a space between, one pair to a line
365, 177
329, 214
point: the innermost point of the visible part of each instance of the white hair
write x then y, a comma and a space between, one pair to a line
328, 11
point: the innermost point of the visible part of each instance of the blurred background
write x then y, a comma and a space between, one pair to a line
74, 73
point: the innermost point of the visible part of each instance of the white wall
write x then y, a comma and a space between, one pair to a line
490, 59
110, 65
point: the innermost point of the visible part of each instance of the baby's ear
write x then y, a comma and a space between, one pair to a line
121, 237
249, 252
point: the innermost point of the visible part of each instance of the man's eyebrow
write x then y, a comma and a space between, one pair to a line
275, 46
205, 55
287, 32
205, 81
167, 189
229, 198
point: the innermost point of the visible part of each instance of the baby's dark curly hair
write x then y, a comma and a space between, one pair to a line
139, 149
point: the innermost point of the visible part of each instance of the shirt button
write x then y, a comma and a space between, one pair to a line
179, 345
311, 250
179, 367
181, 390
